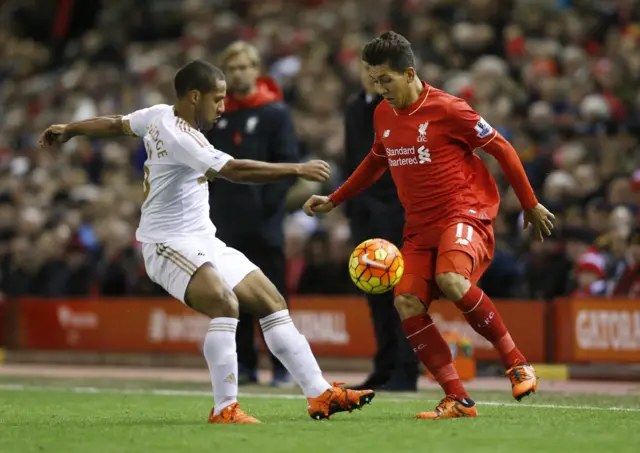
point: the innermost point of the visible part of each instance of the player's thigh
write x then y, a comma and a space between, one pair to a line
186, 273
256, 294
465, 249
414, 292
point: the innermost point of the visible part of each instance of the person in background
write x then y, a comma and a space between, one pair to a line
256, 125
589, 263
378, 213
626, 278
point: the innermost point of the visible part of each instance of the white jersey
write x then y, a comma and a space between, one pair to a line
176, 203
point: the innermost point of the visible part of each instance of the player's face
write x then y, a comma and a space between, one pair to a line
211, 105
394, 86
242, 73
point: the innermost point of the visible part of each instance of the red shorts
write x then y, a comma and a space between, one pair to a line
464, 247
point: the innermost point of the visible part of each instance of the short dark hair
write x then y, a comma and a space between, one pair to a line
390, 48
197, 75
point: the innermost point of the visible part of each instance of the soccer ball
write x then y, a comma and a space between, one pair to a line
376, 266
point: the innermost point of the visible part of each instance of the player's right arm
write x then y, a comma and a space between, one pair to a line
133, 124
364, 176
196, 152
102, 126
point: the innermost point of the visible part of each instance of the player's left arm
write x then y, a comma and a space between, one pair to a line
477, 133
201, 155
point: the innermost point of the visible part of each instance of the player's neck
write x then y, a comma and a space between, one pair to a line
186, 112
417, 88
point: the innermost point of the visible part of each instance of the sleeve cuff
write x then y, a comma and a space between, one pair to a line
336, 199
530, 204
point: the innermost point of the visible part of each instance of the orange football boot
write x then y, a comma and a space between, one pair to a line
523, 380
451, 407
232, 414
337, 399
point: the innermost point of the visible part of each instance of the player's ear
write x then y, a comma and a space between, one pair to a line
411, 75
194, 96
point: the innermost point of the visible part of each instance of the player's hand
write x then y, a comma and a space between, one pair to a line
54, 135
315, 170
541, 220
317, 204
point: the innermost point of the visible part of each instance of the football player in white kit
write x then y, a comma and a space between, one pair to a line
181, 251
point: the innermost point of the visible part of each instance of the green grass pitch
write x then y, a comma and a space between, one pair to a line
56, 417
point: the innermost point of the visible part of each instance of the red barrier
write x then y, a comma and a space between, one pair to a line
121, 325
591, 330
334, 326
597, 330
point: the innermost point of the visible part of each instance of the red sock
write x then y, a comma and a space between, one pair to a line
434, 353
483, 316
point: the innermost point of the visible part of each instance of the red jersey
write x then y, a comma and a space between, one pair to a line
429, 148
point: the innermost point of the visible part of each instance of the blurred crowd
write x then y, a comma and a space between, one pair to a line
558, 78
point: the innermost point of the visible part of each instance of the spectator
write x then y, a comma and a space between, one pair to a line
626, 273
556, 78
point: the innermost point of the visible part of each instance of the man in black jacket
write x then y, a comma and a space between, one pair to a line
377, 213
256, 125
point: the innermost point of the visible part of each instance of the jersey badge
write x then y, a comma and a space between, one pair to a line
422, 132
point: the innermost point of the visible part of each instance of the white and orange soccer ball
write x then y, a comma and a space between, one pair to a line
376, 266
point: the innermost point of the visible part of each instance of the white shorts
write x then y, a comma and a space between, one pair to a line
171, 264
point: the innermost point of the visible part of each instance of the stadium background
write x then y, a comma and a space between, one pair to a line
557, 77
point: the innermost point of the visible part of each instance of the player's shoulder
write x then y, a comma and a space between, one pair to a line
383, 112
160, 107
185, 135
447, 102
157, 110
384, 108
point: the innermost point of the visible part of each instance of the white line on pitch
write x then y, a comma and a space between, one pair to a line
401, 398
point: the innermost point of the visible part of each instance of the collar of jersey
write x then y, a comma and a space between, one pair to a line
413, 108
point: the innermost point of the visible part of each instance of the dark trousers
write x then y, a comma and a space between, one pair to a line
272, 262
394, 359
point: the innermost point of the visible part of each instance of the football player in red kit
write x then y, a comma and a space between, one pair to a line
427, 138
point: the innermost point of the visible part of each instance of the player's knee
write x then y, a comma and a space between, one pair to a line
273, 302
453, 285
259, 296
408, 305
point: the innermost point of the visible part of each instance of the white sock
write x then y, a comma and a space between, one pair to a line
220, 351
292, 349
